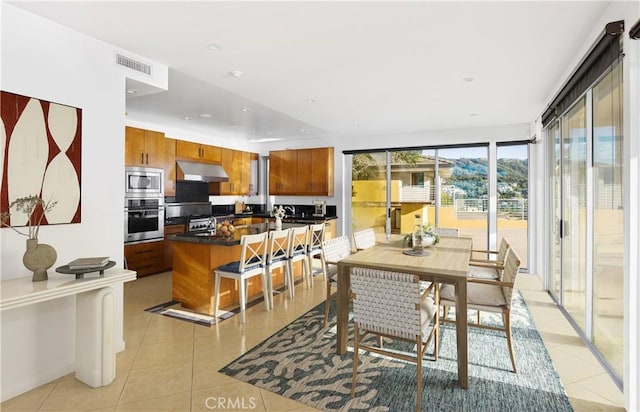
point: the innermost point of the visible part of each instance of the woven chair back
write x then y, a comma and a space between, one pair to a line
502, 250
336, 249
386, 302
364, 239
511, 268
446, 231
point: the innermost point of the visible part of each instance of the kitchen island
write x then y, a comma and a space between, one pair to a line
197, 255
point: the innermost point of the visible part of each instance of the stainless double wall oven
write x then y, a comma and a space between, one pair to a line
143, 204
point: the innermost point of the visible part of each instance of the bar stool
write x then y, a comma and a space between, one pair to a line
298, 252
252, 263
277, 257
314, 247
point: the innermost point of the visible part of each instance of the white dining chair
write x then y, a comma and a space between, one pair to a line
488, 295
446, 231
277, 257
298, 239
334, 250
390, 304
364, 239
314, 246
252, 263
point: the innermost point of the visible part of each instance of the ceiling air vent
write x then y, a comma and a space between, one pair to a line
132, 64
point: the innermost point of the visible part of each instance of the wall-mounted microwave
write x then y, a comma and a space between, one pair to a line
144, 182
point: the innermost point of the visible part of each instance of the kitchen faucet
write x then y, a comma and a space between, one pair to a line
292, 209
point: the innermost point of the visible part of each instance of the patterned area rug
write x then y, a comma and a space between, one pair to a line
300, 363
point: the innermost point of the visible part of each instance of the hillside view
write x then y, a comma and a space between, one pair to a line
470, 177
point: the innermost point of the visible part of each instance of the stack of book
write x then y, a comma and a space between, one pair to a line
88, 263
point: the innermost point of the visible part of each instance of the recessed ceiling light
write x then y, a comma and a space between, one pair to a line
303, 130
205, 115
132, 91
311, 100
246, 109
214, 47
468, 79
265, 139
235, 73
187, 118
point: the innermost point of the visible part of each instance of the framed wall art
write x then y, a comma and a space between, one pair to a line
41, 145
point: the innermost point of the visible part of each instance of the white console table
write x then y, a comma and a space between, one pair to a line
95, 315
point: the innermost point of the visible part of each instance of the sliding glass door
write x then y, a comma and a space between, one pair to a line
574, 203
585, 270
608, 228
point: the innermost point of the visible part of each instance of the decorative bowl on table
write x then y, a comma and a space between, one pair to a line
428, 240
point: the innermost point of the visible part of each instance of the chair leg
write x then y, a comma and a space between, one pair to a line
216, 295
356, 344
506, 317
436, 322
323, 262
288, 275
267, 291
309, 273
327, 303
243, 300
419, 372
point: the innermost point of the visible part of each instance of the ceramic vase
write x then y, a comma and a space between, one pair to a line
38, 258
278, 223
428, 240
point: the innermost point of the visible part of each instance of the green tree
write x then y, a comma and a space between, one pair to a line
367, 165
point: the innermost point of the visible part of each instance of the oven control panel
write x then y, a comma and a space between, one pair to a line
200, 224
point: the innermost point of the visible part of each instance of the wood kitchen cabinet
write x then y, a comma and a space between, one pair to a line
301, 172
238, 165
145, 258
168, 244
143, 147
198, 151
169, 166
282, 172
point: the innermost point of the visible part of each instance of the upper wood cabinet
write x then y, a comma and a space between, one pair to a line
238, 165
169, 166
143, 147
301, 172
197, 151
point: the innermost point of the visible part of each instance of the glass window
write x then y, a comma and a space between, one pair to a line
608, 232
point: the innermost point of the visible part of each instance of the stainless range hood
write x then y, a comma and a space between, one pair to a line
203, 172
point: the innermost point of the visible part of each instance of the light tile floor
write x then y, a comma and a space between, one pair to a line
171, 365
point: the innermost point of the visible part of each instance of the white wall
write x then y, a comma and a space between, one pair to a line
50, 62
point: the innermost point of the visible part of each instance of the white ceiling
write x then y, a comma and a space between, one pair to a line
369, 67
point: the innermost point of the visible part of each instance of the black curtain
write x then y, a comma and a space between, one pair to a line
602, 55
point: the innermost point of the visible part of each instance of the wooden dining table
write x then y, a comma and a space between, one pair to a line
446, 262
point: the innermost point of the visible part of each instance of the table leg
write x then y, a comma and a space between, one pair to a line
342, 318
461, 332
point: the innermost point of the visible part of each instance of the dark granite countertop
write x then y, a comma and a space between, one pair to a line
233, 240
290, 219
